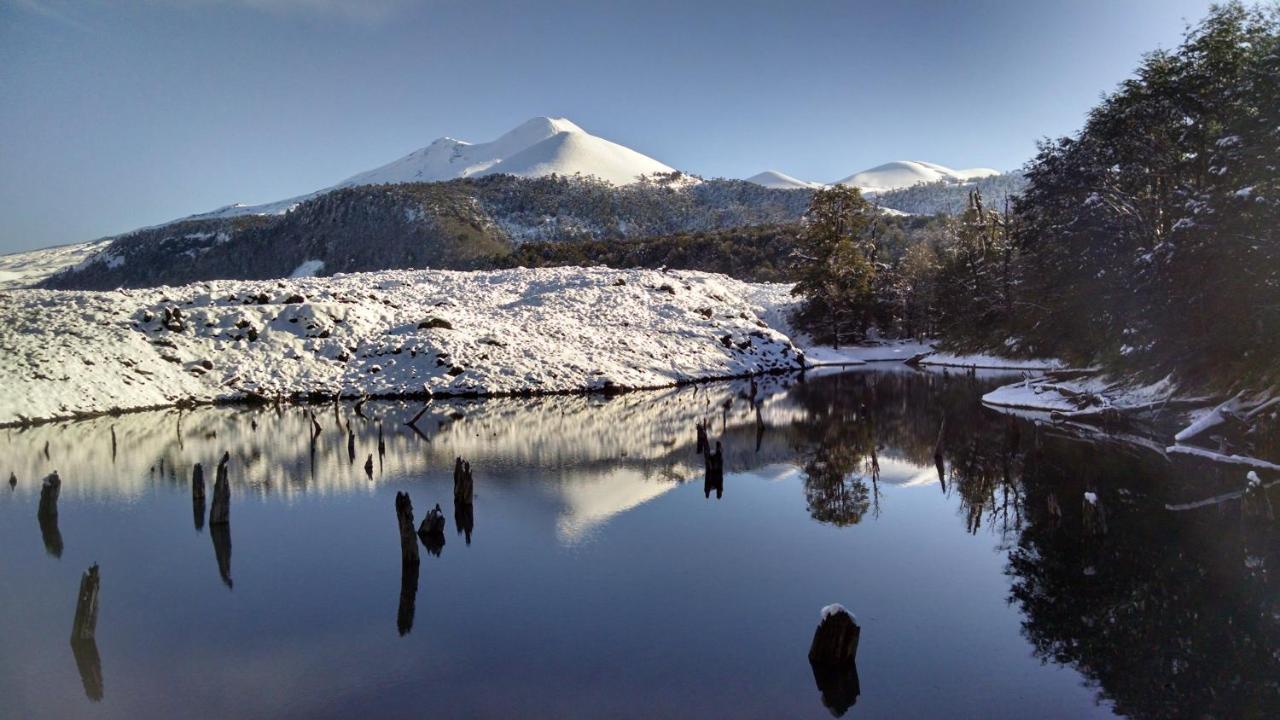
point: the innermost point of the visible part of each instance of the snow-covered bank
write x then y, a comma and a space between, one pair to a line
1083, 395
71, 354
990, 362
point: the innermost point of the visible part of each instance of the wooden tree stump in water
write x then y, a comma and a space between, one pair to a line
463, 485
431, 531
404, 517
86, 620
714, 472
197, 482
220, 509
50, 488
833, 657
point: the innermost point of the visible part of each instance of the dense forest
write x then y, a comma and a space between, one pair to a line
1146, 243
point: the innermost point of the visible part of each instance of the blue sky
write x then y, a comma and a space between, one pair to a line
116, 115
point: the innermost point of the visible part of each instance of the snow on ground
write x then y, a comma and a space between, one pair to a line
69, 354
25, 269
991, 362
1086, 394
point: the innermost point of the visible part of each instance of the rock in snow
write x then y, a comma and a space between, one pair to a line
71, 354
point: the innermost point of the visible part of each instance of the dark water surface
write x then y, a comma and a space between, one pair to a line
602, 578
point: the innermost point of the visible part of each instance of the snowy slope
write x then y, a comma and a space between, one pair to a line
68, 354
905, 173
781, 181
28, 268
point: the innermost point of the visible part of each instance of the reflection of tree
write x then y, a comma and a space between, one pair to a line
839, 428
1170, 614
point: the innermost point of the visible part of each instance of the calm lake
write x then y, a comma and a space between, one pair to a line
598, 575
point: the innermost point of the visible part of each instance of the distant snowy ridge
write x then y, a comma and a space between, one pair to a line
70, 354
781, 181
906, 173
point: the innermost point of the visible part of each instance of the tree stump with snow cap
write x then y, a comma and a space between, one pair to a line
835, 641
1095, 518
1256, 502
833, 658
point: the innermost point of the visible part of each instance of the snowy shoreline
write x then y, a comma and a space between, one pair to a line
408, 334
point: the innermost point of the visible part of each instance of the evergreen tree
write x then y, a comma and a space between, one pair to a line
835, 266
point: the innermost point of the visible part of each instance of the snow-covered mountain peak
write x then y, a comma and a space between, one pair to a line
781, 181
905, 173
568, 150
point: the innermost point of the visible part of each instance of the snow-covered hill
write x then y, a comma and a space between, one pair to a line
782, 181
68, 354
905, 173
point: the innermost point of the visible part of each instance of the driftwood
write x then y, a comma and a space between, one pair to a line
714, 478
833, 655
404, 519
463, 484
83, 628
220, 509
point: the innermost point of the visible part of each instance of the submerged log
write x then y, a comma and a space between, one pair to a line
833, 656
703, 445
351, 446
113, 443
86, 620
463, 484
13, 481
404, 519
368, 467
220, 509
